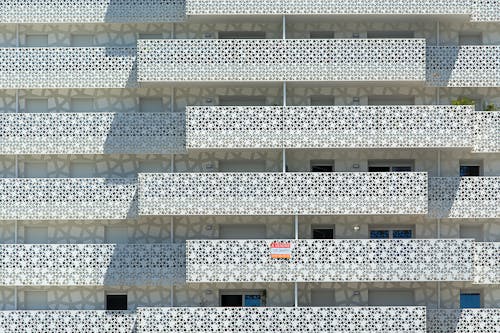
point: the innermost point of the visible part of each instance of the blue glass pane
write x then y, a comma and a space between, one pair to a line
401, 169
401, 234
470, 301
252, 300
379, 234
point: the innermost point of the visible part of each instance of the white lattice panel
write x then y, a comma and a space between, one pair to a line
278, 60
487, 132
92, 133
91, 264
234, 127
464, 197
283, 320
485, 10
75, 321
282, 193
67, 198
294, 7
345, 260
487, 263
463, 321
68, 67
91, 11
463, 66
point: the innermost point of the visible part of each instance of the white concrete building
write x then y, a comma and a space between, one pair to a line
250, 166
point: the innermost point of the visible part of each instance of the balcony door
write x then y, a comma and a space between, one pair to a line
251, 298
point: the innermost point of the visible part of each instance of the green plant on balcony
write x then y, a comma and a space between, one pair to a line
468, 101
490, 107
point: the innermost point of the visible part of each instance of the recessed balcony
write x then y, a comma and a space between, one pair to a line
432, 126
91, 264
283, 319
342, 260
464, 197
462, 320
68, 321
324, 7
67, 67
342, 193
67, 198
92, 11
281, 60
92, 133
463, 66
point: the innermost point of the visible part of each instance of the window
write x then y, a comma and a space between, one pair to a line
82, 40
36, 169
391, 34
242, 34
37, 105
82, 169
322, 100
322, 166
116, 302
390, 166
84, 104
392, 232
470, 299
242, 100
322, 297
470, 38
150, 104
242, 298
391, 298
322, 34
391, 100
242, 166
323, 232
472, 231
116, 234
242, 231
36, 235
470, 168
37, 40
35, 300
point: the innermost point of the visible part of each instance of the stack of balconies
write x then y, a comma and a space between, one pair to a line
156, 62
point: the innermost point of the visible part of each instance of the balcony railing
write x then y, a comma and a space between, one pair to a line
91, 11
487, 132
301, 7
463, 66
337, 127
486, 263
464, 197
282, 193
92, 133
67, 67
342, 260
279, 60
280, 319
67, 198
485, 10
463, 320
76, 321
92, 264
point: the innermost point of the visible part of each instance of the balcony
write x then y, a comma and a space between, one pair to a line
67, 67
92, 133
67, 198
67, 321
464, 197
341, 193
323, 7
92, 11
342, 260
91, 264
462, 320
281, 319
485, 11
281, 60
463, 66
487, 132
486, 259
338, 127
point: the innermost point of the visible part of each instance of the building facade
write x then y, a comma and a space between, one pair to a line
250, 166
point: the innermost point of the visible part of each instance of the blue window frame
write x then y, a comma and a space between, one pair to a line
379, 234
253, 300
398, 234
470, 300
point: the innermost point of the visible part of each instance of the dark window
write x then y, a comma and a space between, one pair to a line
379, 234
401, 234
242, 34
322, 168
470, 300
401, 169
231, 300
469, 170
116, 302
323, 233
379, 169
